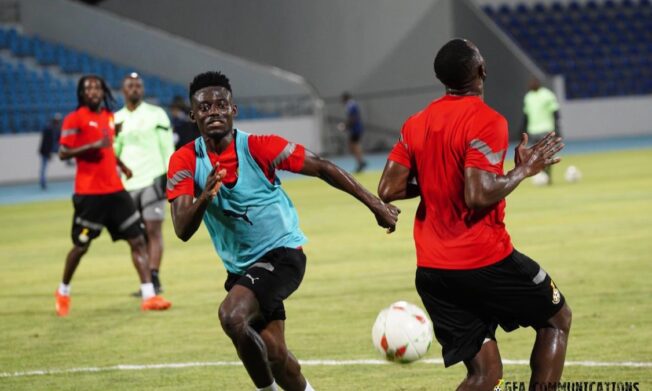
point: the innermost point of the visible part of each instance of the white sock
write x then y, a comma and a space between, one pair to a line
147, 290
271, 387
308, 386
64, 289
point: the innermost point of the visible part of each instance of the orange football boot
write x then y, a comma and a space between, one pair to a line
155, 303
63, 304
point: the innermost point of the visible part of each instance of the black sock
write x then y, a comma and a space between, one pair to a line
155, 280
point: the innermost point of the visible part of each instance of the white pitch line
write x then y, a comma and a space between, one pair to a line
135, 367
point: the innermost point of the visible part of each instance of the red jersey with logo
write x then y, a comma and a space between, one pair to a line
97, 170
437, 144
270, 152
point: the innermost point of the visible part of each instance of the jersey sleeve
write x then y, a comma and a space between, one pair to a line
69, 130
118, 143
553, 105
165, 136
401, 153
181, 173
487, 143
273, 152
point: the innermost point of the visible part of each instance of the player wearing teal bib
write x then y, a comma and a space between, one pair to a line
145, 143
227, 178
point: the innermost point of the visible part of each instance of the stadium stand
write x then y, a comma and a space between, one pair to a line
603, 49
39, 79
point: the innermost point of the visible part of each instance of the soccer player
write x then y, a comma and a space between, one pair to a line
228, 178
353, 125
48, 145
541, 115
144, 143
99, 199
469, 276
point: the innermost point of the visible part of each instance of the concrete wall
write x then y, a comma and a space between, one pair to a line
363, 46
293, 129
335, 44
606, 117
128, 42
20, 160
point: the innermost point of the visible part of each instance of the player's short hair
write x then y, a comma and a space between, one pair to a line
456, 62
109, 101
208, 79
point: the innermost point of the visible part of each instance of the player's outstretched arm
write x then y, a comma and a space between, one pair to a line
187, 212
123, 167
386, 214
66, 153
483, 188
395, 183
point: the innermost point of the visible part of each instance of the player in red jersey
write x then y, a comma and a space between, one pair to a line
99, 199
469, 276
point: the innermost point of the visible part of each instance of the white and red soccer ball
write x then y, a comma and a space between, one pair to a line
402, 332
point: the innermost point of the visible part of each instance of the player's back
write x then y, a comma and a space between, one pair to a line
453, 133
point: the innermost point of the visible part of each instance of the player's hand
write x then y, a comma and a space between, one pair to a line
387, 216
125, 170
534, 159
519, 148
214, 182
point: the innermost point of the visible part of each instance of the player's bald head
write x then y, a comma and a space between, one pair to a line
457, 62
132, 76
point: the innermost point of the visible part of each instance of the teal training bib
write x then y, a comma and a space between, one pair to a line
251, 218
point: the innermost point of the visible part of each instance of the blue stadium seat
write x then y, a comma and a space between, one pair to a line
521, 9
557, 7
4, 39
603, 48
29, 98
4, 124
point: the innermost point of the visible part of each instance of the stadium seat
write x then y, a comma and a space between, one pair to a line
601, 47
22, 86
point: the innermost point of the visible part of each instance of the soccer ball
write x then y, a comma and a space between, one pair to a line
572, 174
402, 332
540, 179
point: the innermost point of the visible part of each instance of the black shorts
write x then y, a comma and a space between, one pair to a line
466, 306
115, 211
355, 137
272, 278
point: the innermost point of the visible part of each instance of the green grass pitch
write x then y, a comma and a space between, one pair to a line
594, 237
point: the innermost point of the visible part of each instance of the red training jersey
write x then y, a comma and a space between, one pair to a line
437, 144
270, 152
97, 170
